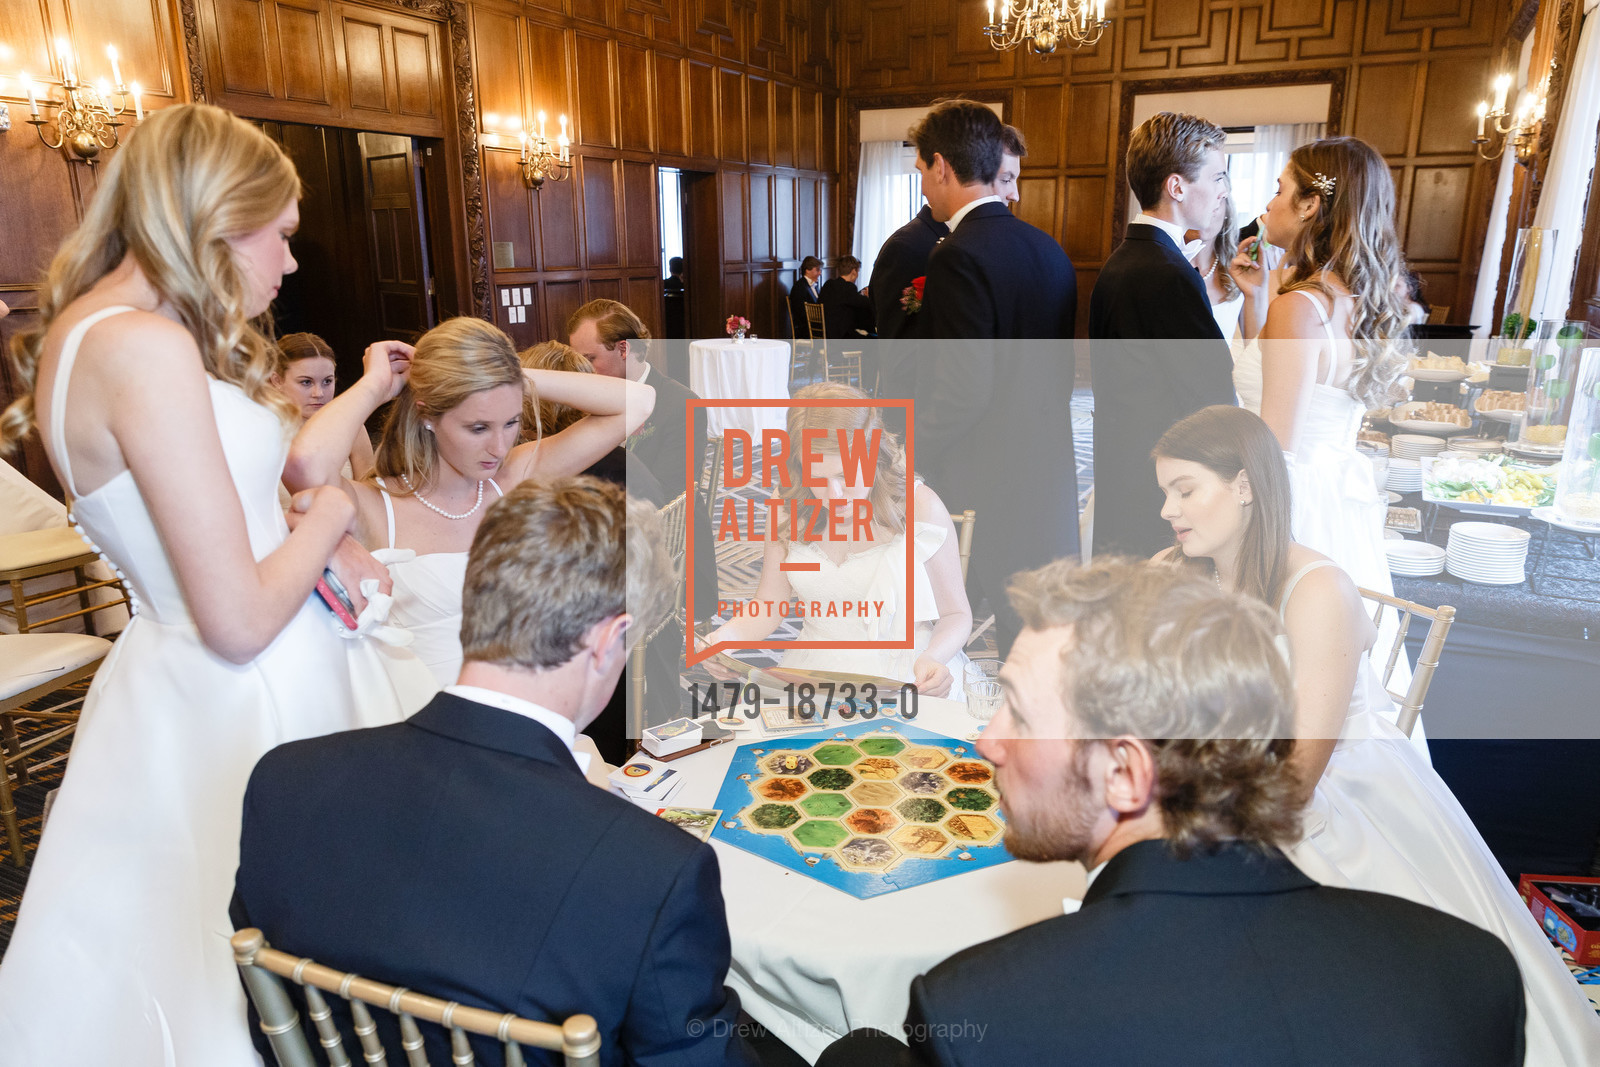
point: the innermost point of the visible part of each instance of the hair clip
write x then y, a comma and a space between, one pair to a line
1322, 183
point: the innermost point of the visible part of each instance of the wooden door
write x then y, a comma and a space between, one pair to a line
397, 234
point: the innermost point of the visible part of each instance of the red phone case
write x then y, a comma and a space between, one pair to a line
335, 605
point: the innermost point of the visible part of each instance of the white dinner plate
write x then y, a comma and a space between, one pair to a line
1439, 374
1550, 515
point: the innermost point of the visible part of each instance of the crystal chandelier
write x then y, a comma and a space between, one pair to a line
1045, 24
86, 121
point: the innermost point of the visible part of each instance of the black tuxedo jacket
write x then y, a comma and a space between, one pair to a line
462, 854
903, 257
1232, 959
996, 276
799, 296
1149, 300
845, 310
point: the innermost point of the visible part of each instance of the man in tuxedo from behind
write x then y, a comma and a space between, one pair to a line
462, 853
848, 311
1147, 300
992, 377
1198, 942
807, 289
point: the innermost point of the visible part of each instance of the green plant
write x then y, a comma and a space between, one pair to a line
1515, 327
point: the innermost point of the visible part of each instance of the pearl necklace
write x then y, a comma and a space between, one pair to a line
1213, 269
425, 502
1216, 576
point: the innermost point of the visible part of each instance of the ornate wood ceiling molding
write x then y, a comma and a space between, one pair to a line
453, 15
1335, 78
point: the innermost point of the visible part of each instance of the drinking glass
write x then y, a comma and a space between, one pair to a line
983, 688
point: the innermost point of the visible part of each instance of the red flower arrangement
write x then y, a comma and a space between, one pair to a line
911, 297
737, 325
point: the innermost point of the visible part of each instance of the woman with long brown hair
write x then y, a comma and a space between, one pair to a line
840, 568
1332, 345
1378, 817
152, 391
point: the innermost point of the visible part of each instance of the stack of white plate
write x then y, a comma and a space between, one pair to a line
1405, 476
1482, 446
1414, 446
1414, 559
1490, 553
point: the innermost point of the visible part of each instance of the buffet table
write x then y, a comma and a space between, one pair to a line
811, 963
724, 369
1529, 788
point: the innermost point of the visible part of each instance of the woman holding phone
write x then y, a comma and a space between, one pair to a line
152, 391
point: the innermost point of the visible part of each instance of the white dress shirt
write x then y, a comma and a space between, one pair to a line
564, 728
1173, 231
965, 209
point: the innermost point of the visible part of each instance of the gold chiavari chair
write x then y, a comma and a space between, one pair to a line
264, 968
40, 553
1440, 620
711, 478
964, 521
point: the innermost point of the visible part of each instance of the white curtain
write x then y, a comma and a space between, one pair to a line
1566, 183
879, 212
1494, 241
1255, 184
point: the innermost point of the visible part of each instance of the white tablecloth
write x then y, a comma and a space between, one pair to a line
753, 370
811, 963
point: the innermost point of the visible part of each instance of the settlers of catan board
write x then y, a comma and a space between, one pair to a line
866, 808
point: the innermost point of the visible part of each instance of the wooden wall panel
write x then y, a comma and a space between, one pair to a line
671, 116
783, 219
597, 82
1410, 71
601, 247
309, 69
139, 28
734, 202
496, 43
702, 108
633, 85
730, 106
759, 189
558, 225
758, 120
508, 208
366, 64
243, 64
639, 206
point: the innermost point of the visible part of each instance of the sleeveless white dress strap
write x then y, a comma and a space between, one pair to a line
1327, 332
1294, 580
58, 390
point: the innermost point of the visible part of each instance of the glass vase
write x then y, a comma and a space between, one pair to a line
1552, 368
1525, 291
1578, 483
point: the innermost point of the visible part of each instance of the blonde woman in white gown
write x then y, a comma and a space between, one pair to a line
868, 566
1379, 817
449, 449
152, 392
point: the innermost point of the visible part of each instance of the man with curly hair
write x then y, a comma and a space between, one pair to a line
1197, 941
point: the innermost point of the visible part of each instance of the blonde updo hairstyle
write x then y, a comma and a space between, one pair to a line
1352, 237
888, 496
184, 182
547, 415
454, 360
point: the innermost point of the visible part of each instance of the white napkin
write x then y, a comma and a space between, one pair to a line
374, 618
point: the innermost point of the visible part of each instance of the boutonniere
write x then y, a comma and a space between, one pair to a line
911, 296
639, 435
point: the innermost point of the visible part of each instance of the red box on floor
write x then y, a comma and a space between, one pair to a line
1568, 910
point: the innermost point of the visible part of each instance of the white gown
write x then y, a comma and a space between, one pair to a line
121, 952
876, 574
427, 601
1383, 820
1336, 508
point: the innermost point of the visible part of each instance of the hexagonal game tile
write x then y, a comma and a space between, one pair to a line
925, 759
831, 778
921, 840
878, 768
867, 853
972, 827
970, 798
789, 763
924, 782
871, 820
921, 809
781, 788
835, 755
826, 805
876, 794
969, 772
880, 746
773, 816
819, 833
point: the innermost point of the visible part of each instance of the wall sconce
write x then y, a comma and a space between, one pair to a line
540, 160
1522, 132
1045, 24
86, 120
5, 109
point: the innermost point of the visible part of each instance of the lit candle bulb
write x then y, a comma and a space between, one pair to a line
64, 50
991, 12
1483, 110
138, 108
1005, 10
1502, 85
1100, 10
116, 71
103, 87
33, 101
541, 125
